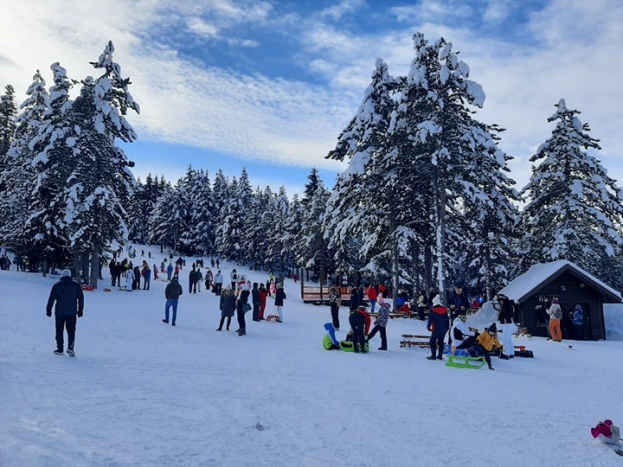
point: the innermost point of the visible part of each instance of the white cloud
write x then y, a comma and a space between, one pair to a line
336, 12
198, 26
295, 123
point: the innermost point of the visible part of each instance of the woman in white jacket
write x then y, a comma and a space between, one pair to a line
462, 335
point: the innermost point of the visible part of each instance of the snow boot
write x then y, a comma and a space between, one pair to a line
58, 352
71, 352
165, 321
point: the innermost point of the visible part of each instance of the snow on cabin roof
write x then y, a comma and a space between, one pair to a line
523, 285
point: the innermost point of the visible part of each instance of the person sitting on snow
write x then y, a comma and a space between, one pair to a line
486, 341
607, 432
463, 337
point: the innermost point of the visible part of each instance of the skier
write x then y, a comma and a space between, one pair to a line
69, 300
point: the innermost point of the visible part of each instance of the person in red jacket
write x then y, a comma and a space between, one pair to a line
360, 322
438, 323
372, 296
263, 294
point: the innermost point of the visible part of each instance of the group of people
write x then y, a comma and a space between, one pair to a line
235, 298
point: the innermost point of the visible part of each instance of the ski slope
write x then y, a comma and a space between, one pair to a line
142, 393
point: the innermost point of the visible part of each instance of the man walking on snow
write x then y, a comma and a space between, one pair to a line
69, 300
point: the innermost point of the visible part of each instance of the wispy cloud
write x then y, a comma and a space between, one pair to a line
293, 122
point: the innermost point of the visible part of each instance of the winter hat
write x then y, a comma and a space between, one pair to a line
493, 328
65, 273
436, 301
555, 300
362, 307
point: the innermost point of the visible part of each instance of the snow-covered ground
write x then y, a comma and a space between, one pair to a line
142, 393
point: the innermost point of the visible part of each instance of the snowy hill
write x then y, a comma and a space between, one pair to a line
141, 392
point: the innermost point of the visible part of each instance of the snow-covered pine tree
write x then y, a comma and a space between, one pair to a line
230, 225
186, 188
362, 209
574, 209
296, 216
45, 229
310, 245
202, 215
162, 221
276, 257
18, 174
257, 226
451, 147
8, 111
101, 183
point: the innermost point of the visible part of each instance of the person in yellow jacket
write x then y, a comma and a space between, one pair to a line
486, 341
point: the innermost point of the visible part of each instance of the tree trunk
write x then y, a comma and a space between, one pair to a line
428, 268
95, 268
85, 267
441, 238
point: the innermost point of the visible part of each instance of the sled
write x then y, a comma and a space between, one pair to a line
473, 363
524, 353
273, 318
331, 332
88, 288
107, 290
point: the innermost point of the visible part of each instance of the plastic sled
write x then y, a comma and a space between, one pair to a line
473, 363
331, 332
272, 318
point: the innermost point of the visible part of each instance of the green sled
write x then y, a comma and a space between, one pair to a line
473, 363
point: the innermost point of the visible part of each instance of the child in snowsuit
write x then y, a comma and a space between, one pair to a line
486, 341
380, 326
607, 432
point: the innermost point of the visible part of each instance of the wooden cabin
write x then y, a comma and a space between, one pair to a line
533, 291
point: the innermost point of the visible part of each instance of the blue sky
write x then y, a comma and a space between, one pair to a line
269, 85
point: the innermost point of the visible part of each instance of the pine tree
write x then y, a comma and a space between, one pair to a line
45, 229
18, 174
100, 184
8, 112
574, 209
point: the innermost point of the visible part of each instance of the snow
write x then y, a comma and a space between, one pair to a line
141, 392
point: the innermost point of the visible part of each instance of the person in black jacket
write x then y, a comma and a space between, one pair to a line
172, 293
255, 298
69, 300
243, 299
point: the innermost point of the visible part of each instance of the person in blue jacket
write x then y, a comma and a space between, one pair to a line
438, 324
